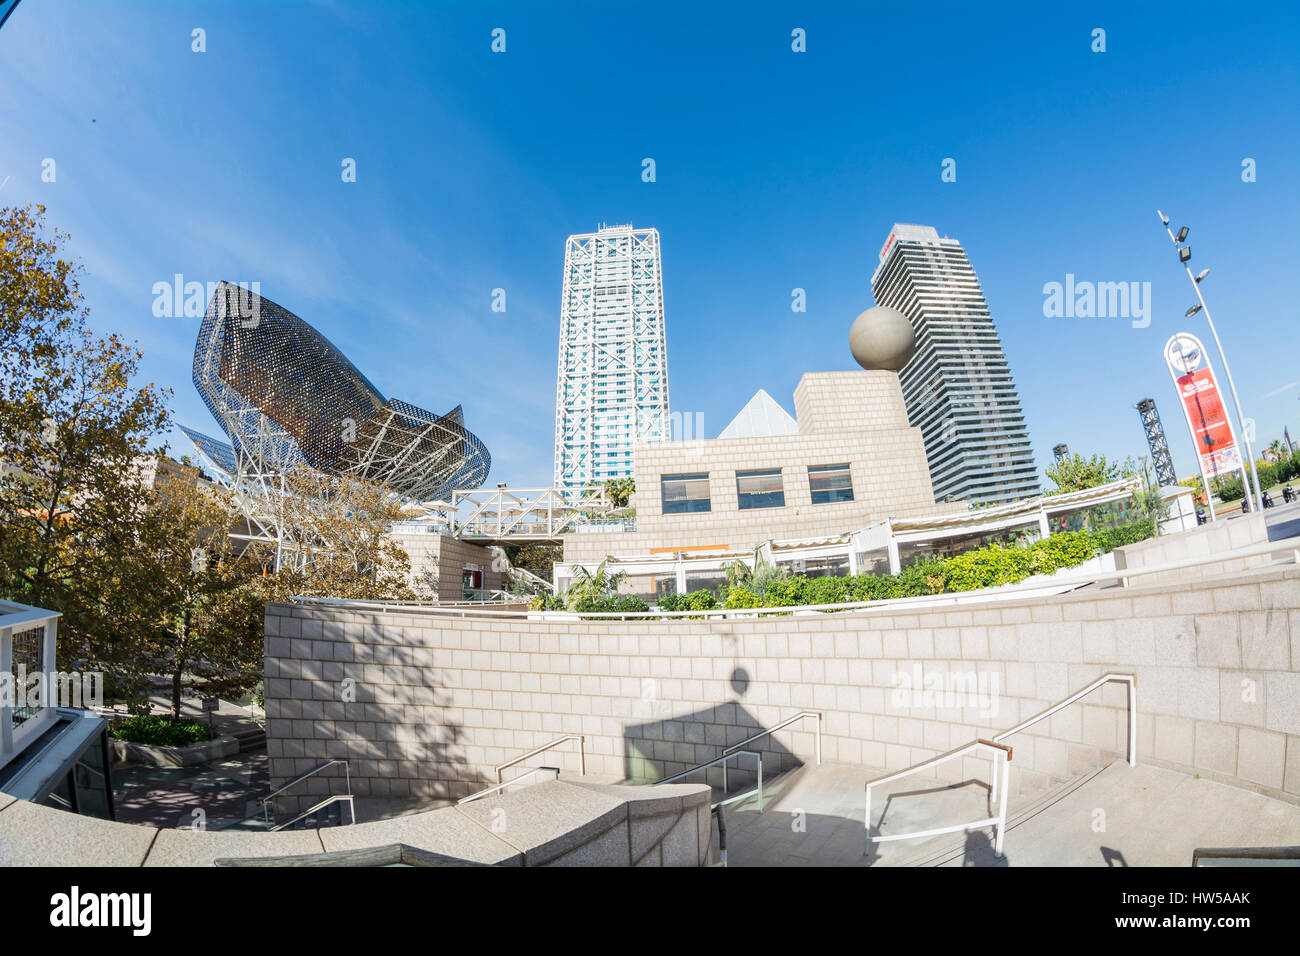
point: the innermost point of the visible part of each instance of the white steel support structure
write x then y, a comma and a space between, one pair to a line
612, 383
957, 386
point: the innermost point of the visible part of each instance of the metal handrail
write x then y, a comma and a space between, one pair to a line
999, 780
783, 724
758, 762
722, 835
1128, 679
1001, 754
501, 786
347, 778
352, 807
582, 754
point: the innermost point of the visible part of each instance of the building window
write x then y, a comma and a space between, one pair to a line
683, 494
830, 483
760, 489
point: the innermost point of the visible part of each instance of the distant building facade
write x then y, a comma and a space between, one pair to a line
957, 387
846, 459
612, 383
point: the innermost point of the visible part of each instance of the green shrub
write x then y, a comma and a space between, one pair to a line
827, 590
673, 602
630, 604
785, 592
742, 598
700, 600
160, 731
1108, 539
1230, 489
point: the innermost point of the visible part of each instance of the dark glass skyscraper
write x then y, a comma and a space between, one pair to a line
957, 386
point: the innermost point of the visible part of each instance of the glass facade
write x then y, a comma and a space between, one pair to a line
875, 561
830, 483
836, 565
910, 552
711, 581
761, 488
1096, 518
685, 494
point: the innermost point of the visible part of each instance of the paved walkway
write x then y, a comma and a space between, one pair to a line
223, 791
1118, 816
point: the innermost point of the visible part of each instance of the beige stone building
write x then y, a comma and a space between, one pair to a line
848, 459
446, 569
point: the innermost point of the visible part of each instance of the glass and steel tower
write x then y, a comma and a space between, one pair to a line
957, 386
612, 387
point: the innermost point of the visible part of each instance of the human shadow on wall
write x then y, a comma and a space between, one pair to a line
667, 745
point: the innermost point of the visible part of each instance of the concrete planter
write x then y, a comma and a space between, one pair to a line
129, 752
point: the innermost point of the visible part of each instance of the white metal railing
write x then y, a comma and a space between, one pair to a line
582, 754
1056, 583
20, 725
347, 780
523, 513
512, 781
782, 725
758, 764
336, 798
1128, 679
1000, 754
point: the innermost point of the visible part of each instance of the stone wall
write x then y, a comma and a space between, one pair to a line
437, 562
556, 823
426, 704
1217, 537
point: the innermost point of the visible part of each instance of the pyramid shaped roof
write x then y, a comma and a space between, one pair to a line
762, 417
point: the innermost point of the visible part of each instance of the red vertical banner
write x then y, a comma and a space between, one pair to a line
1198, 391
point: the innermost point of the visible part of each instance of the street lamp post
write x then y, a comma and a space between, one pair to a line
1184, 257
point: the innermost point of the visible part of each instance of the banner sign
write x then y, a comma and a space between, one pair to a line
1202, 402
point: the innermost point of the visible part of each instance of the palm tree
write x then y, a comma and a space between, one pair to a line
597, 585
753, 579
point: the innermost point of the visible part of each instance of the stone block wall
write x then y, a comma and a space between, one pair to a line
422, 703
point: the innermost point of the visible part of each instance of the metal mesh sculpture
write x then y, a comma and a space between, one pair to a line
286, 397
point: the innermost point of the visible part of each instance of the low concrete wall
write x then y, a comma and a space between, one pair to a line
425, 704
557, 823
150, 755
1218, 537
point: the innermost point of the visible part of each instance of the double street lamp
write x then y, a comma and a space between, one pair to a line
1185, 257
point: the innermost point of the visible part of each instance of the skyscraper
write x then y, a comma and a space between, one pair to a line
957, 386
612, 386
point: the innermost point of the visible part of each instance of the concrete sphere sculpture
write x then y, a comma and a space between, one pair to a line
882, 338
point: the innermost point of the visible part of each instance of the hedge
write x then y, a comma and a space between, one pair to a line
986, 567
160, 731
982, 568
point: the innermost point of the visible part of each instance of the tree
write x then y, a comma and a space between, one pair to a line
337, 538
540, 559
619, 491
1076, 473
756, 579
592, 586
1194, 482
200, 609
74, 427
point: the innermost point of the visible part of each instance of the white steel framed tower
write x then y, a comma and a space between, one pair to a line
612, 386
957, 386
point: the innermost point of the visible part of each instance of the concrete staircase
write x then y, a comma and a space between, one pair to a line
250, 739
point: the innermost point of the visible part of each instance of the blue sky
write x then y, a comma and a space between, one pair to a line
775, 170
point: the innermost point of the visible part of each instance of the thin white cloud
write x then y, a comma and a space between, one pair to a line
1285, 388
